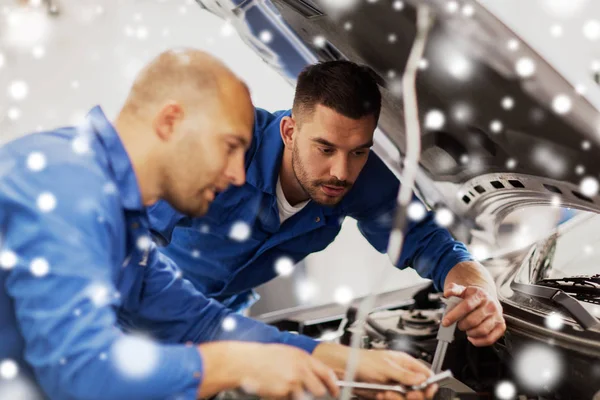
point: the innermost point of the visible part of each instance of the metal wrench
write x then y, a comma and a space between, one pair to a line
398, 388
445, 336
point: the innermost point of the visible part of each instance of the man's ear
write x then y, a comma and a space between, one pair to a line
166, 120
287, 128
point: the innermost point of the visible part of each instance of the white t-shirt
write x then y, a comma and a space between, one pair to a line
286, 210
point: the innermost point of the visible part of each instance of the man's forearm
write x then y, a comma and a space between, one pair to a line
470, 273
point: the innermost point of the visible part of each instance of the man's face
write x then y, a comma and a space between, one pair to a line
210, 154
329, 151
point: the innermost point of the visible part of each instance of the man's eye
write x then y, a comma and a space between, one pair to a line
326, 150
359, 153
231, 148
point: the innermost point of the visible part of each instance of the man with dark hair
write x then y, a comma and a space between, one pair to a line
307, 169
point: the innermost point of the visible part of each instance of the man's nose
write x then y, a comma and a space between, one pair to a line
339, 168
236, 170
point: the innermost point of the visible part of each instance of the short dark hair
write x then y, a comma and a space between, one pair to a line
348, 88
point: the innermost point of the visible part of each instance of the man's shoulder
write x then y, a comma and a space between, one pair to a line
265, 119
53, 158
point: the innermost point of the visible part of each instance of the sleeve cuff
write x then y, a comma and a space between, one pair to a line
448, 262
183, 368
300, 341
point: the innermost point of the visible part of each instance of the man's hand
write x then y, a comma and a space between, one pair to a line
379, 366
479, 314
266, 370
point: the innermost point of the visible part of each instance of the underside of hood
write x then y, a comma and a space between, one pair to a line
501, 128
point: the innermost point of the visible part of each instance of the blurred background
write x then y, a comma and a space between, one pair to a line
60, 58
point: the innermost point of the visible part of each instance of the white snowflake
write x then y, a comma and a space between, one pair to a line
434, 119
561, 104
348, 25
8, 259
588, 249
265, 36
549, 160
398, 5
496, 126
554, 321
306, 291
103, 356
468, 10
178, 274
80, 144
135, 356
464, 159
595, 65
2, 60
240, 231
480, 252
562, 8
556, 30
129, 31
98, 293
555, 202
36, 161
62, 361
580, 170
589, 186
507, 103
99, 10
416, 211
77, 312
204, 229
18, 90
8, 369
452, 6
227, 29
512, 44
511, 163
395, 87
141, 32
423, 64
538, 367
284, 266
38, 51
391, 74
46, 202
75, 84
338, 7
143, 242
525, 67
13, 113
39, 267
591, 29
392, 38
459, 67
586, 145
137, 17
505, 390
229, 323
196, 253
319, 41
183, 9
462, 113
109, 188
26, 28
166, 32
444, 217
343, 295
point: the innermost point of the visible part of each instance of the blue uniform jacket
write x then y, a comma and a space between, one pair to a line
215, 260
82, 286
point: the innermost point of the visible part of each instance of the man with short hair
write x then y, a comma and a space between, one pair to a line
307, 169
89, 309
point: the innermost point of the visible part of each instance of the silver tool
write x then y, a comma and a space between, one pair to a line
398, 388
445, 336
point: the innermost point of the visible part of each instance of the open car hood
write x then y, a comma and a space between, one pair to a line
491, 154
